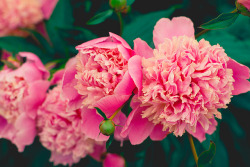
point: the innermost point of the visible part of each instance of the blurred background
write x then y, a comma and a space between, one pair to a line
232, 137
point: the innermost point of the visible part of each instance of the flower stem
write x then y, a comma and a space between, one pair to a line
115, 113
190, 138
206, 30
120, 21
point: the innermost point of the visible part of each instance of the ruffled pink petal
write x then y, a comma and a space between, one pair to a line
113, 160
166, 28
26, 131
142, 49
91, 43
240, 75
48, 7
125, 86
58, 158
98, 151
109, 104
32, 59
117, 37
57, 77
135, 71
90, 125
157, 133
31, 103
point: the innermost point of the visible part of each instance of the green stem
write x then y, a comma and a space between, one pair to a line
120, 21
190, 138
206, 30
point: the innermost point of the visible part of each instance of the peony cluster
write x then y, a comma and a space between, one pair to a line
16, 14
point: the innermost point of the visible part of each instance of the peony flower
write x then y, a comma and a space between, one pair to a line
16, 14
98, 77
19, 100
113, 160
181, 83
61, 131
245, 3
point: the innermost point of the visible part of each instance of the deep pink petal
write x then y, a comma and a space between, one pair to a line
142, 49
135, 71
117, 37
57, 77
157, 133
109, 104
122, 120
33, 59
48, 7
166, 28
113, 160
240, 74
125, 86
126, 53
98, 151
31, 103
91, 43
90, 125
26, 131
3, 123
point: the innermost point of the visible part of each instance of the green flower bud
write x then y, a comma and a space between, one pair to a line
107, 127
118, 4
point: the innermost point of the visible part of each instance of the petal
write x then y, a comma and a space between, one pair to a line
157, 133
117, 37
122, 120
48, 7
113, 160
31, 103
90, 125
57, 77
33, 59
91, 43
135, 71
109, 104
126, 53
58, 158
240, 75
99, 149
26, 131
142, 49
125, 86
166, 28
3, 123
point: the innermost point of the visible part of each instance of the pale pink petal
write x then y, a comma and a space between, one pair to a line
241, 75
90, 125
113, 160
166, 28
142, 49
135, 71
58, 158
29, 105
26, 131
48, 7
125, 86
109, 104
157, 133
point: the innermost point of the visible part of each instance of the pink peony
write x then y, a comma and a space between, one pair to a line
98, 77
19, 100
113, 160
61, 131
245, 3
15, 14
181, 83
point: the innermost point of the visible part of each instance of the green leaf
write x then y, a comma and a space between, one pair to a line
9, 64
207, 156
222, 21
101, 113
142, 26
62, 16
110, 140
130, 2
42, 41
100, 17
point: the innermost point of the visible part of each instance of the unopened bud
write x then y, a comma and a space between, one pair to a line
118, 4
107, 127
